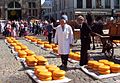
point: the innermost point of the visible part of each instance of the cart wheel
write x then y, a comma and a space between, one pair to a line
109, 53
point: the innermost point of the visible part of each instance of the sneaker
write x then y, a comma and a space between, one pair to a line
78, 66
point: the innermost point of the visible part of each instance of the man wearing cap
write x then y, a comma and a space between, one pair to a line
64, 38
85, 40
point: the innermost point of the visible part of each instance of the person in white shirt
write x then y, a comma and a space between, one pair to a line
64, 38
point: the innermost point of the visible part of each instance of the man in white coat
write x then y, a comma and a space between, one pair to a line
64, 38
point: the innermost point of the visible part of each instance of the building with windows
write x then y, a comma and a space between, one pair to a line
76, 7
47, 9
19, 9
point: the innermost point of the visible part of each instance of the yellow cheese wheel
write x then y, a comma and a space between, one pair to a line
104, 72
115, 66
104, 68
13, 44
37, 71
96, 66
109, 63
23, 47
71, 54
40, 67
22, 54
58, 78
55, 50
76, 57
29, 52
51, 66
53, 69
103, 61
45, 79
17, 48
45, 74
91, 63
58, 73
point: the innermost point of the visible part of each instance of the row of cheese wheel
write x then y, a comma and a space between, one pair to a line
22, 50
32, 61
44, 44
104, 66
49, 72
42, 70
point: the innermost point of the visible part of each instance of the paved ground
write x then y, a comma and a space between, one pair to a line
11, 70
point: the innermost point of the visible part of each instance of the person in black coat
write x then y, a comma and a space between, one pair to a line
85, 32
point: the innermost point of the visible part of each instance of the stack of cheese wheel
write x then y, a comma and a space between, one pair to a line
96, 65
55, 50
52, 68
115, 68
17, 48
22, 54
29, 52
71, 54
31, 61
10, 41
104, 69
58, 74
38, 69
76, 57
48, 46
45, 76
13, 44
91, 63
23, 47
41, 60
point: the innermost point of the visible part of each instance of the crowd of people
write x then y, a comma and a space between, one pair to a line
61, 32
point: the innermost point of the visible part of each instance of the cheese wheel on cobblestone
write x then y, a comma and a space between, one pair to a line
51, 66
104, 72
109, 63
91, 63
46, 42
48, 46
22, 54
13, 44
96, 65
39, 41
103, 61
55, 50
115, 68
104, 68
76, 57
58, 73
71, 54
53, 69
23, 47
45, 79
45, 74
29, 52
37, 71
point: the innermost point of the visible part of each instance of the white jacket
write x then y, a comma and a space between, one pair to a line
64, 38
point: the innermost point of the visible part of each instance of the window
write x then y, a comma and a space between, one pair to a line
33, 5
88, 3
107, 3
98, 3
116, 3
79, 3
11, 5
29, 4
29, 12
17, 5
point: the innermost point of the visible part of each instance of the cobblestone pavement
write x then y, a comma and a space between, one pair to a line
11, 70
